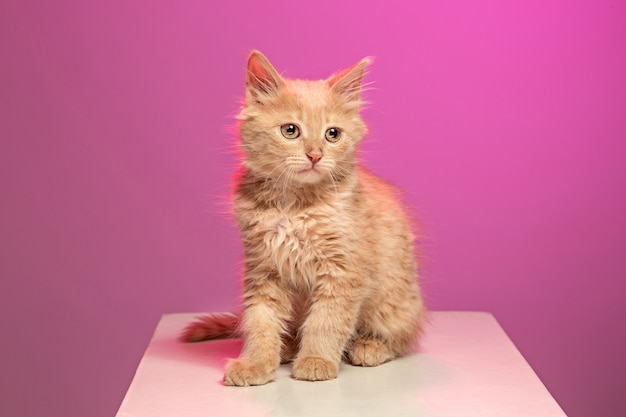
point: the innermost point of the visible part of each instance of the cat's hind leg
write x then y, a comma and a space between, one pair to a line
386, 330
369, 352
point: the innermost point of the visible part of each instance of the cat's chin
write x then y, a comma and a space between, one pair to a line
309, 176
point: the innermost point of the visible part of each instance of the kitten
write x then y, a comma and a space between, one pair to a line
330, 269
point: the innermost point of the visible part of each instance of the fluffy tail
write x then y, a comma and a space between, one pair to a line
212, 326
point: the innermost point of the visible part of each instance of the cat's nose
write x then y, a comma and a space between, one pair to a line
314, 157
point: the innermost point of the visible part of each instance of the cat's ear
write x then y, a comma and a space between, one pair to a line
349, 82
261, 78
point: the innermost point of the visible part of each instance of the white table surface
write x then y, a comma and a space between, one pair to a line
466, 366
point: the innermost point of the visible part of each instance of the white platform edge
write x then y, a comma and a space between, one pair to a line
466, 366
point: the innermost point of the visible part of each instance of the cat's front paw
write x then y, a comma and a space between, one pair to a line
241, 373
314, 368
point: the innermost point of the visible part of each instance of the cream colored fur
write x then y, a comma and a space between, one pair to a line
330, 267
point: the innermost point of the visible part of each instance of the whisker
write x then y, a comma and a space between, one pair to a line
333, 181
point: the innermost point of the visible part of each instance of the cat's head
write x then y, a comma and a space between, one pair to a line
301, 131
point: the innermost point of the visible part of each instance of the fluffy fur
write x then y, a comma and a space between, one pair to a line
330, 268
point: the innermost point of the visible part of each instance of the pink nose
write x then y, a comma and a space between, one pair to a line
314, 157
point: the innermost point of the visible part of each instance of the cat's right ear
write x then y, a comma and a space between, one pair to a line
349, 82
262, 80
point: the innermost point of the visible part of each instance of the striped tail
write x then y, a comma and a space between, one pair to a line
212, 326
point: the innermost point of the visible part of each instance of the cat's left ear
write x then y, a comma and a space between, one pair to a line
261, 78
349, 82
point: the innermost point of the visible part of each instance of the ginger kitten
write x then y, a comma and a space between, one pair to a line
330, 268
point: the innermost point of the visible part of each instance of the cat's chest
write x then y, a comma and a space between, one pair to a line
294, 244
299, 244
295, 232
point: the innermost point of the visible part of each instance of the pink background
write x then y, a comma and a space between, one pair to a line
503, 120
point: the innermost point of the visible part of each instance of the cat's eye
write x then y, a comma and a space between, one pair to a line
333, 135
290, 131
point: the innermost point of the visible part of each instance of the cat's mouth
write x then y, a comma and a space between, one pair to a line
309, 169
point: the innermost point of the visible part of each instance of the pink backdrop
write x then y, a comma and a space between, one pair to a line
503, 120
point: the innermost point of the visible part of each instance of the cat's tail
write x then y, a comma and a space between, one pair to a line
212, 326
